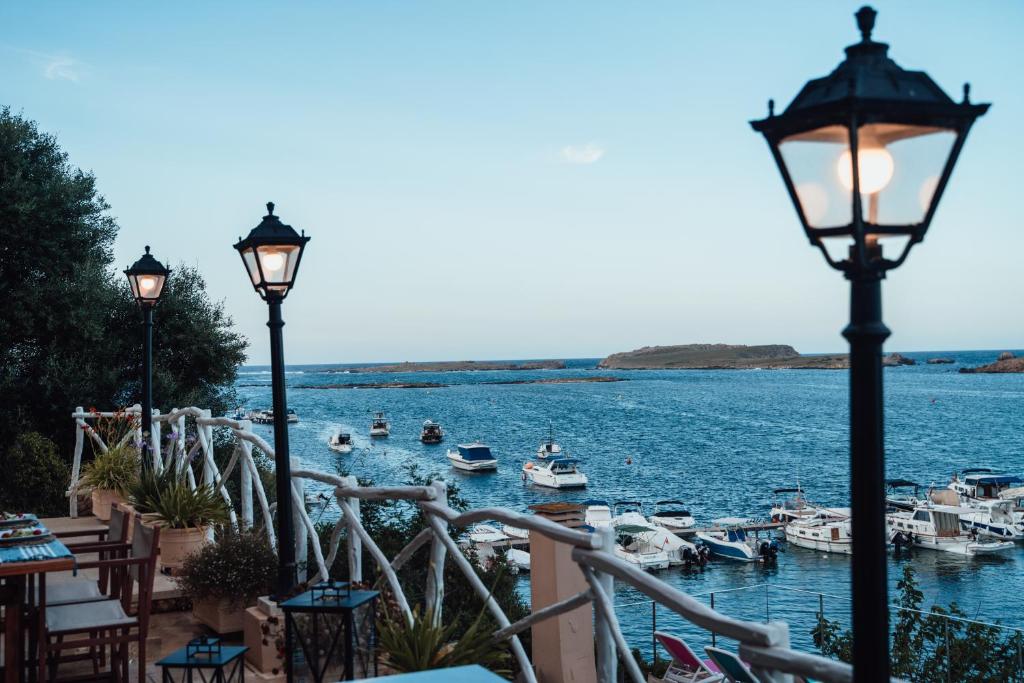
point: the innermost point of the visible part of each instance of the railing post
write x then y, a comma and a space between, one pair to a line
714, 640
435, 569
354, 546
301, 536
607, 662
154, 442
76, 465
245, 484
654, 629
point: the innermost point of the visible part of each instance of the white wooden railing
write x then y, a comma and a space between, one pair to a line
765, 646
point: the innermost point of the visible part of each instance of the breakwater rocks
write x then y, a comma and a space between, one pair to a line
455, 366
895, 359
1006, 363
721, 357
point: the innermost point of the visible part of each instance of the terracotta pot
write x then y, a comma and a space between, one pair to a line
102, 499
177, 544
219, 615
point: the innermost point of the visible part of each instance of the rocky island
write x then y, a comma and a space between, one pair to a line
1006, 363
721, 357
456, 366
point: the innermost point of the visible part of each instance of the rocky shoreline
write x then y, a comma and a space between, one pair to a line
1006, 363
453, 366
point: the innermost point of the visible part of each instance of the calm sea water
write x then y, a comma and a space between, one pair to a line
719, 440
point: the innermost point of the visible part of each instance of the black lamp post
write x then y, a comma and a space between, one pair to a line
147, 277
906, 135
271, 254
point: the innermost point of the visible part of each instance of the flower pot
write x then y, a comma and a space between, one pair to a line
177, 544
219, 615
102, 499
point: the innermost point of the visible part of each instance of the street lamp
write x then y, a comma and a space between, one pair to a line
147, 277
271, 255
905, 134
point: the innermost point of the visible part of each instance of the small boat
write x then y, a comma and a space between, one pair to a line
903, 494
672, 515
520, 559
633, 544
629, 514
822, 532
789, 505
938, 527
379, 427
597, 513
473, 457
515, 533
291, 416
489, 542
260, 417
982, 483
994, 519
341, 443
555, 473
431, 432
487, 533
548, 448
734, 543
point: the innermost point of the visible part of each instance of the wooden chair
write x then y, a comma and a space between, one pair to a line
107, 622
111, 544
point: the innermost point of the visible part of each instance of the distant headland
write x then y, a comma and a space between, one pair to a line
456, 366
720, 357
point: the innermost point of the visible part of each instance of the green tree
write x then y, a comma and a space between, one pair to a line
36, 477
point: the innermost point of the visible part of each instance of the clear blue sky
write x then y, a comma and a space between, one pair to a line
524, 179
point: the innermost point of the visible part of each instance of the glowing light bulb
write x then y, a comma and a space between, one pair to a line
273, 261
875, 166
147, 284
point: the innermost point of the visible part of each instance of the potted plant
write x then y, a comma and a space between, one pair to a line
109, 477
224, 578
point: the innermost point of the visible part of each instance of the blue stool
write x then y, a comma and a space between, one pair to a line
213, 662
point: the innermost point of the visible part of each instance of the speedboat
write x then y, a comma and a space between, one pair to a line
633, 543
732, 542
597, 514
379, 427
341, 443
555, 473
993, 519
938, 527
672, 515
520, 559
291, 416
982, 483
549, 449
472, 457
822, 532
902, 494
261, 417
431, 432
629, 514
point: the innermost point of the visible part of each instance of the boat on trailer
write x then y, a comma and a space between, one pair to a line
672, 515
341, 442
939, 527
472, 457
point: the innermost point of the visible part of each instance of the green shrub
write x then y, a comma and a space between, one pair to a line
35, 477
115, 470
239, 567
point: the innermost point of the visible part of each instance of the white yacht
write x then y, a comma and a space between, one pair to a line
636, 545
672, 515
472, 457
555, 473
994, 519
341, 442
379, 427
549, 449
982, 483
822, 532
938, 527
732, 542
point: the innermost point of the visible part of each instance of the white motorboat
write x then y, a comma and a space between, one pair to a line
515, 532
789, 505
260, 417
519, 559
629, 514
379, 426
431, 433
487, 534
341, 442
549, 449
291, 416
597, 514
672, 515
822, 532
733, 542
472, 457
635, 545
938, 527
994, 519
903, 494
555, 473
982, 483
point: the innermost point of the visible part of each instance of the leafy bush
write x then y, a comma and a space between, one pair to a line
238, 568
35, 477
115, 470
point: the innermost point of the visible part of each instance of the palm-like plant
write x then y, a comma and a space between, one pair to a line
166, 497
116, 470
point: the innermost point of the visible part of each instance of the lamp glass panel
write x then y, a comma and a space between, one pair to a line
279, 262
900, 167
133, 282
811, 159
151, 286
249, 258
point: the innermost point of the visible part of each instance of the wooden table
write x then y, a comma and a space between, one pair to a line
16, 577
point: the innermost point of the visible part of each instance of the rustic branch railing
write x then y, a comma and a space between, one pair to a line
764, 646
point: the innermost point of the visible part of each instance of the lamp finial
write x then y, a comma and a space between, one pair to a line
270, 208
967, 93
147, 248
866, 22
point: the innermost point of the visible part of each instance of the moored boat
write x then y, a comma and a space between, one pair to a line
982, 483
379, 426
672, 515
938, 527
822, 532
431, 432
902, 494
548, 448
555, 473
473, 457
732, 542
629, 514
341, 442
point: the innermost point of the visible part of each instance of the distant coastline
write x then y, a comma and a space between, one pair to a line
454, 366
